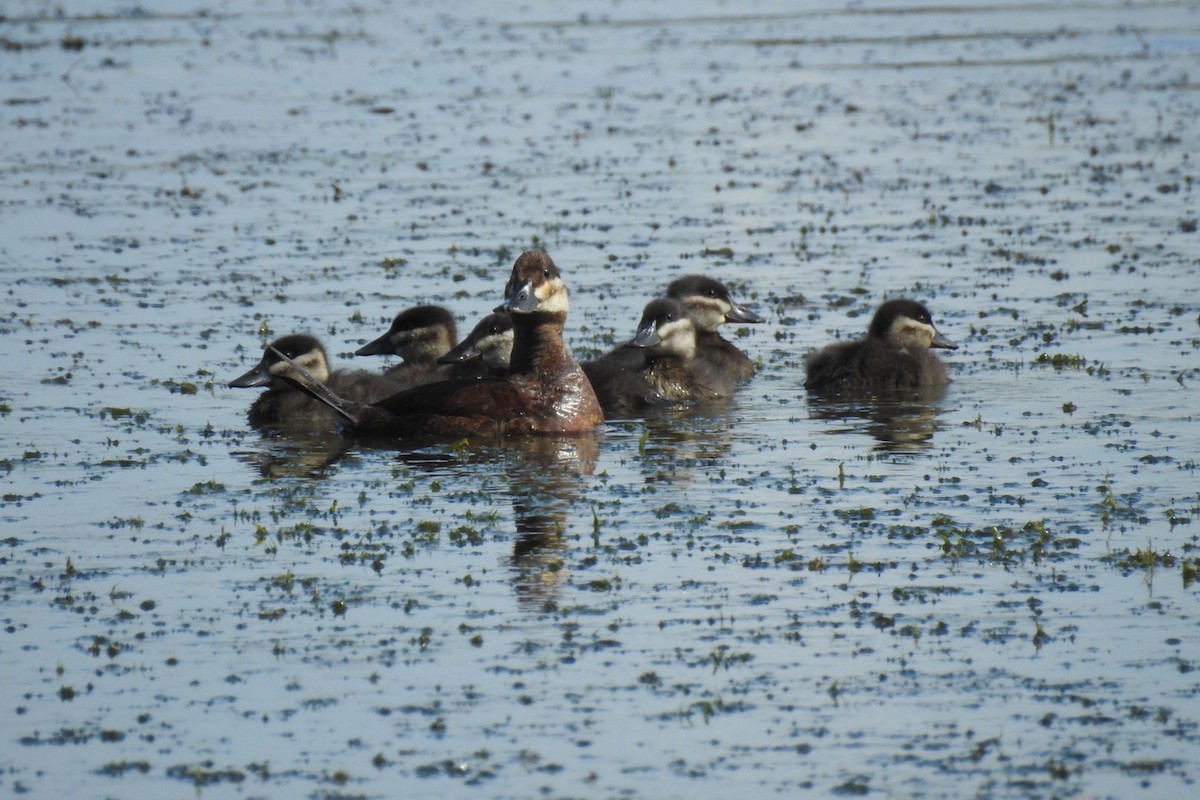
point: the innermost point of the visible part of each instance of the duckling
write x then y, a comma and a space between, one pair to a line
656, 368
487, 349
710, 305
545, 391
893, 355
284, 404
671, 340
418, 335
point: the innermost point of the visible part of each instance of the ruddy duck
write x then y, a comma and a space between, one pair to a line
710, 305
893, 355
657, 367
284, 404
418, 335
488, 345
545, 391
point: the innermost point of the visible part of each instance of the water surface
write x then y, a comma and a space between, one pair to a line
984, 592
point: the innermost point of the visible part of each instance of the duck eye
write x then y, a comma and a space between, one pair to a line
546, 272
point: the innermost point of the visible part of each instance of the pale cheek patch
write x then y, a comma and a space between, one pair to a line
497, 349
552, 297
912, 334
313, 362
679, 337
709, 314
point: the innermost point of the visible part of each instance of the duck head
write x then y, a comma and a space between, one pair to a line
298, 349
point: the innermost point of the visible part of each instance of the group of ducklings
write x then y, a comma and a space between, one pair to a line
514, 375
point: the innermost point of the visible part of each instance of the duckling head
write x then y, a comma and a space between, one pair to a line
300, 348
708, 302
491, 340
418, 333
666, 326
907, 325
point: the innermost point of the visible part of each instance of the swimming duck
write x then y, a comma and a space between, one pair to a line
545, 391
710, 305
657, 367
284, 404
893, 355
419, 335
487, 349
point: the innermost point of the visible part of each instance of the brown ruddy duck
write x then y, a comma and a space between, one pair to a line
893, 355
545, 391
656, 368
418, 335
710, 305
487, 350
283, 404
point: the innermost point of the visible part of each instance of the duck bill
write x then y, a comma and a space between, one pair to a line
646, 336
742, 314
466, 351
258, 376
380, 347
941, 341
519, 299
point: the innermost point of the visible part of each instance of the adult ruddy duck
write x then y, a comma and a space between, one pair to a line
545, 391
710, 305
893, 355
418, 335
656, 368
284, 404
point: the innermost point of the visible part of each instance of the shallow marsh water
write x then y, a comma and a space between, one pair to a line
986, 592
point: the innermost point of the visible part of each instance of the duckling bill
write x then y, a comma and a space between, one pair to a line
894, 355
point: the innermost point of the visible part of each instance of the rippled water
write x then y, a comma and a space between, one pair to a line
986, 592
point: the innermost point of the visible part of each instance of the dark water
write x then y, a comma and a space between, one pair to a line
987, 592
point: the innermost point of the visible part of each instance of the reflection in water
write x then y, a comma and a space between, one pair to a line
545, 475
675, 442
901, 423
302, 453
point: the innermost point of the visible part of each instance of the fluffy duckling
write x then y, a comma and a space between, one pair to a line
284, 404
893, 355
545, 391
656, 368
487, 349
710, 305
669, 336
419, 335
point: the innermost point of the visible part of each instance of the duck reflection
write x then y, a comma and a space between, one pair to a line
300, 452
901, 423
677, 444
545, 476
